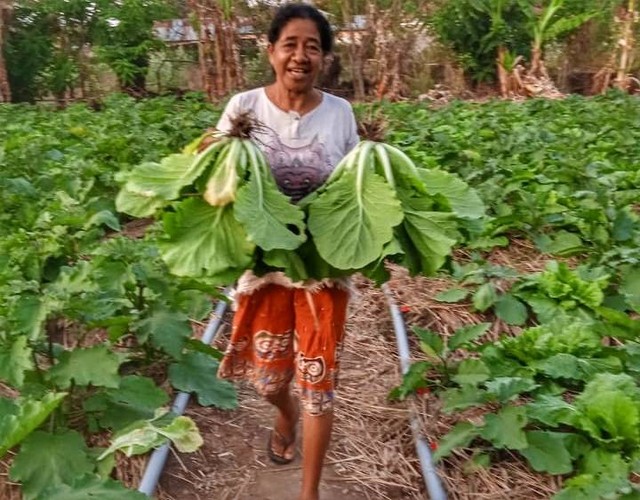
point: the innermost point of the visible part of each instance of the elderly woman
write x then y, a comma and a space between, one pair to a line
284, 330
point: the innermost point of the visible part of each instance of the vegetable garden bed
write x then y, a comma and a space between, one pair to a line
560, 183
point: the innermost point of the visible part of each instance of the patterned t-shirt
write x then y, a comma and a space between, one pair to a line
301, 150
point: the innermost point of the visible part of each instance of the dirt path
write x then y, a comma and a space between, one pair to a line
371, 445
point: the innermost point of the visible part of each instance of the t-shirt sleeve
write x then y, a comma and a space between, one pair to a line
231, 109
352, 132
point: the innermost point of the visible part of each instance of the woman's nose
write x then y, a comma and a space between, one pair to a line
300, 53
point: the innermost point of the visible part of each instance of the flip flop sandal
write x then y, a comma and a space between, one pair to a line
279, 459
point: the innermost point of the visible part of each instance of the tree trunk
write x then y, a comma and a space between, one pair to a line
503, 77
5, 90
626, 47
355, 55
536, 61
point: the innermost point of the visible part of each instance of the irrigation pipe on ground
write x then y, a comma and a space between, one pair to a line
159, 456
429, 473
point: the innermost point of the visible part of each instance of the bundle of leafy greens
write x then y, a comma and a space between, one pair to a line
223, 212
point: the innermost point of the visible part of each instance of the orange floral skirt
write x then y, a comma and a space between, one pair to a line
281, 332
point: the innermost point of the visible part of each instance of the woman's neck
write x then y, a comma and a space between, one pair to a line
300, 102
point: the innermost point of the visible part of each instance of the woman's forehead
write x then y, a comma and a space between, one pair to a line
300, 28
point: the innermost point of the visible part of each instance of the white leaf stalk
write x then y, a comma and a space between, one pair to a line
231, 163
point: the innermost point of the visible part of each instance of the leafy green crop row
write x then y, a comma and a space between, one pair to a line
91, 323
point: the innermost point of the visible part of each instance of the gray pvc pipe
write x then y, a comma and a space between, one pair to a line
159, 456
429, 472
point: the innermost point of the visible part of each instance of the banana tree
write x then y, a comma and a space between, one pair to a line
496, 38
626, 43
545, 23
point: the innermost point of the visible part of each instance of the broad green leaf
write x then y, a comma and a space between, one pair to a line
630, 288
103, 217
290, 262
463, 200
462, 336
562, 366
205, 240
136, 398
452, 296
508, 388
29, 314
485, 297
137, 204
505, 428
430, 342
168, 330
136, 439
563, 244
24, 417
196, 372
166, 179
15, 360
270, 219
353, 219
432, 233
547, 452
463, 398
96, 365
550, 410
459, 437
91, 487
471, 372
511, 310
414, 379
47, 460
184, 434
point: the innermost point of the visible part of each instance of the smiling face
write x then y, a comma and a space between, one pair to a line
297, 56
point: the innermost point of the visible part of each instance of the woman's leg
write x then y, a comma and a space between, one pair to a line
283, 439
315, 442
320, 318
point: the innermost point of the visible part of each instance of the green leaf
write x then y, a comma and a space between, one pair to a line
196, 372
137, 398
430, 342
452, 295
94, 365
630, 288
550, 410
462, 336
205, 240
463, 200
184, 434
505, 429
24, 417
414, 379
485, 297
137, 204
471, 372
353, 219
463, 398
511, 310
15, 360
547, 452
166, 179
136, 439
432, 233
508, 388
270, 219
47, 460
168, 330
290, 262
91, 487
459, 437
563, 244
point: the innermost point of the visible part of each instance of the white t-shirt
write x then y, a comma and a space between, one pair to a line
301, 150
